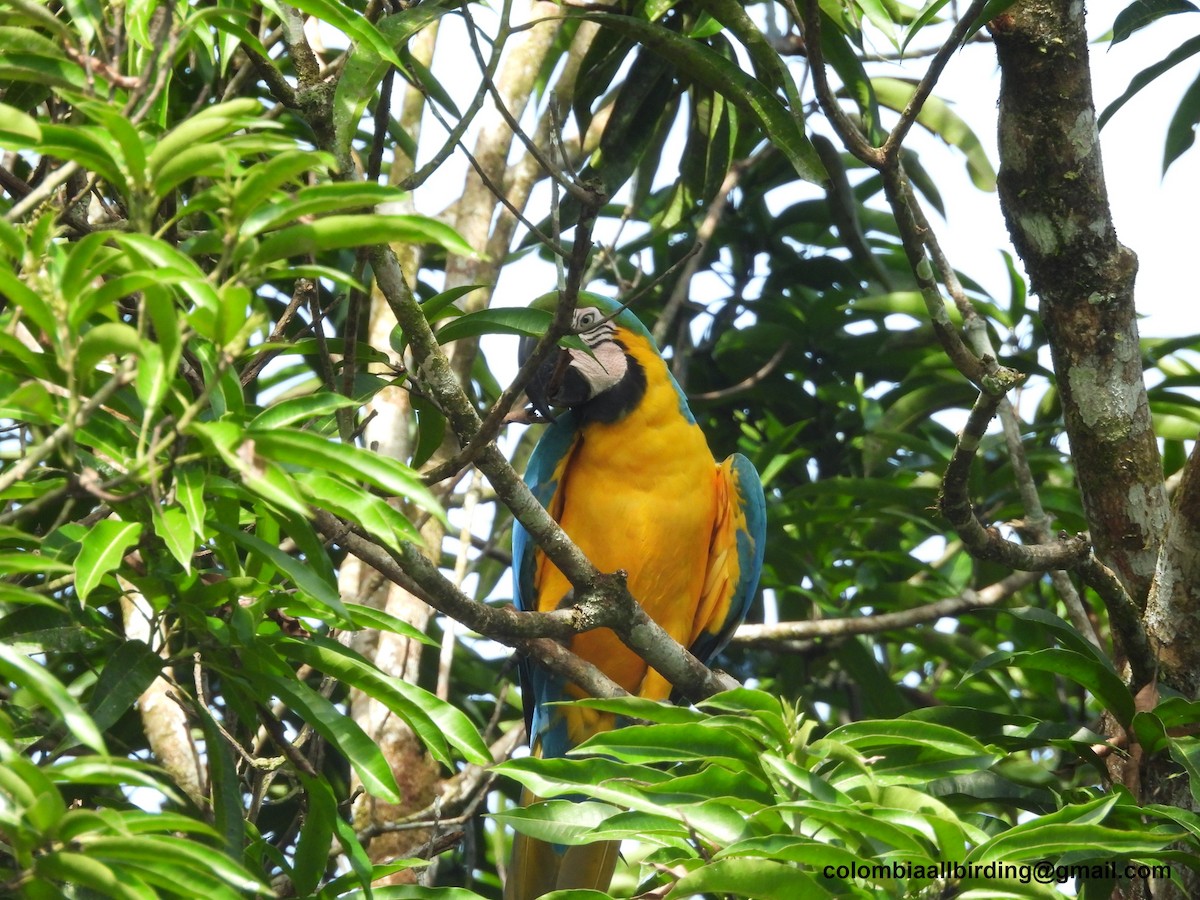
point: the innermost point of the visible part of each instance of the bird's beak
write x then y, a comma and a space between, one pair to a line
555, 383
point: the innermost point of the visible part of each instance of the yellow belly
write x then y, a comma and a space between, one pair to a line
637, 495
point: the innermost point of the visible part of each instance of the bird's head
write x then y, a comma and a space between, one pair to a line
603, 382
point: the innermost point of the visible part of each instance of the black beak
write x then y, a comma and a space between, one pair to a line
555, 383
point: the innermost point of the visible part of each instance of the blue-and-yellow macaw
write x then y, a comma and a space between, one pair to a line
628, 474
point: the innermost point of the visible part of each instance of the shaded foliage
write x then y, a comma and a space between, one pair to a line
185, 383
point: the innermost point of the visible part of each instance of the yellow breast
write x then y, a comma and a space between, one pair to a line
638, 494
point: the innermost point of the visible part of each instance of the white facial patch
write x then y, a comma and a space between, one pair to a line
607, 363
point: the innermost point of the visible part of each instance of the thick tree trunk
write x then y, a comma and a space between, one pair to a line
1054, 198
1053, 194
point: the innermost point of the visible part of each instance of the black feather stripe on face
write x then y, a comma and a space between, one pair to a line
618, 401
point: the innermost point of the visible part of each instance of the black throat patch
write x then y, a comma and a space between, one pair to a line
619, 400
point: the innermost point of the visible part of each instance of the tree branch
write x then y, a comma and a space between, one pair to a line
788, 632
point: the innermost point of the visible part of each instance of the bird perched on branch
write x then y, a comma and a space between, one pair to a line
628, 474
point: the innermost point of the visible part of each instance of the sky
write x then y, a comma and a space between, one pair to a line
1151, 211
1154, 214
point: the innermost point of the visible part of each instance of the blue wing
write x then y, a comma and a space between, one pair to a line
541, 475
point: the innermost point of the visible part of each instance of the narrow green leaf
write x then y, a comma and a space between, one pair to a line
373, 514
370, 617
1140, 13
304, 577
1100, 680
18, 129
209, 123
337, 232
49, 692
352, 24
196, 868
747, 877
938, 118
87, 146
225, 785
263, 179
78, 870
1186, 50
189, 491
784, 127
498, 320
316, 836
339, 730
101, 552
927, 15
317, 200
365, 68
32, 305
171, 524
299, 409
107, 339
433, 720
311, 451
1181, 131
671, 743
128, 671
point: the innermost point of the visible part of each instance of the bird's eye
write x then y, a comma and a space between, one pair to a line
587, 319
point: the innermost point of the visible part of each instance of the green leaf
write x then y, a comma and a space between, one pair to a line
1100, 680
171, 524
365, 68
49, 692
938, 118
127, 673
316, 835
263, 179
373, 514
499, 320
370, 617
224, 783
38, 311
434, 721
927, 15
1181, 131
760, 878
17, 128
298, 409
189, 491
317, 200
1140, 13
352, 24
101, 552
182, 865
1186, 50
209, 123
784, 127
338, 729
81, 871
107, 339
337, 232
668, 743
303, 575
310, 451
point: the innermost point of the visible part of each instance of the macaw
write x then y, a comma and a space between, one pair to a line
627, 473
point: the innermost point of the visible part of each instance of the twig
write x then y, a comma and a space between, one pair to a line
491, 425
748, 382
704, 233
1125, 618
36, 454
986, 543
853, 138
783, 632
891, 146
